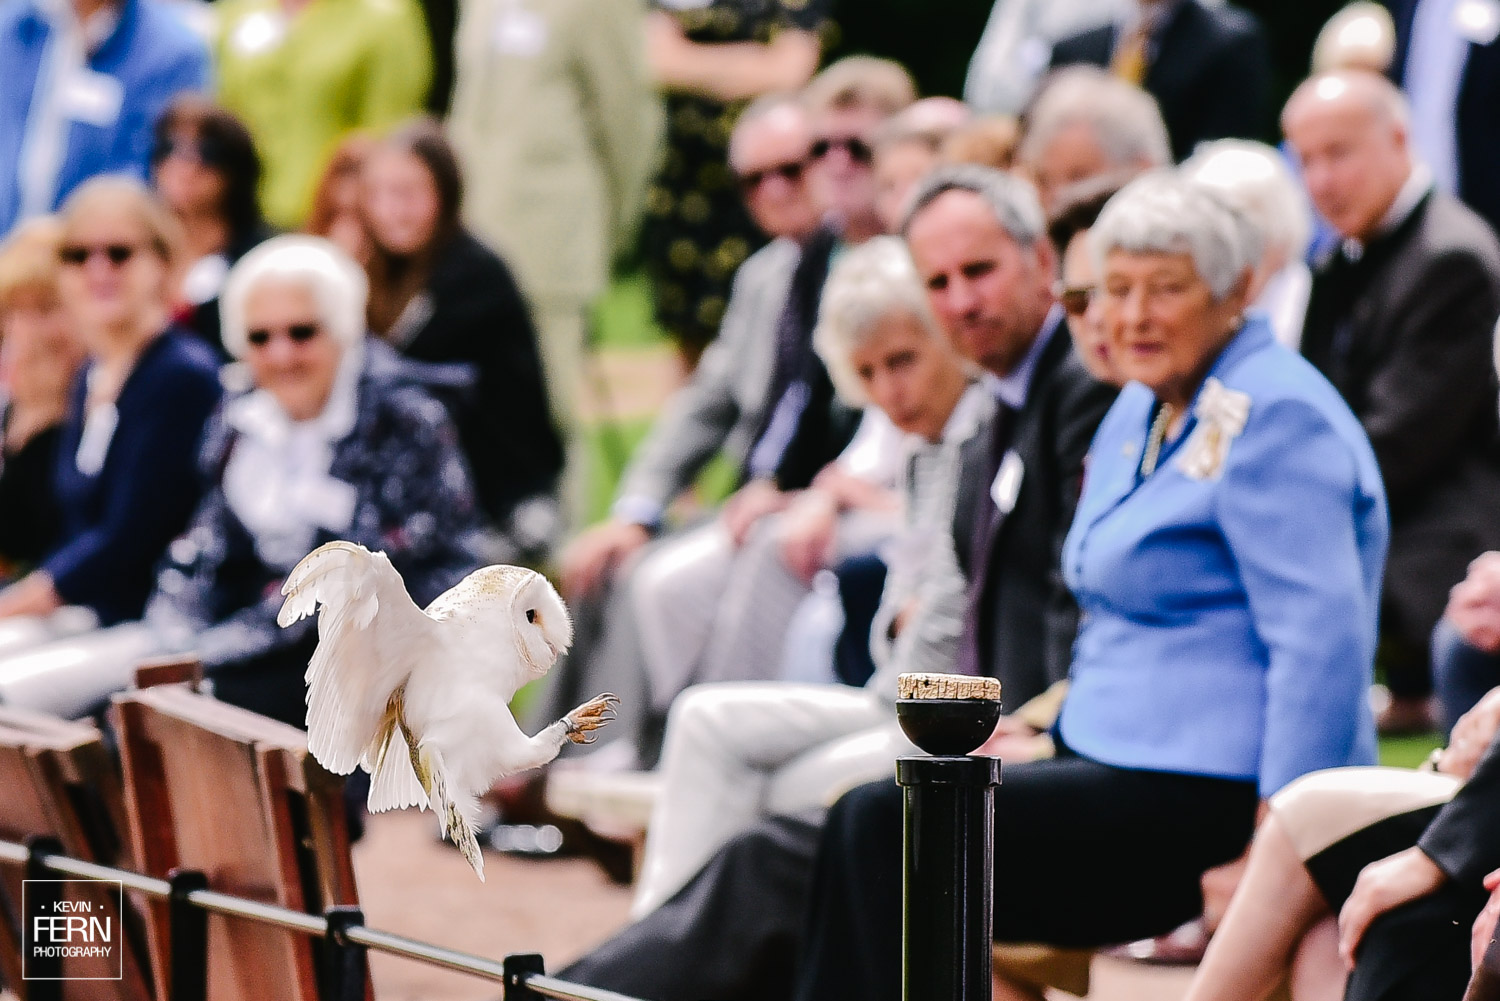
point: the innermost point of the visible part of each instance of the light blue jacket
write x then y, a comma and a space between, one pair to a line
149, 58
1229, 619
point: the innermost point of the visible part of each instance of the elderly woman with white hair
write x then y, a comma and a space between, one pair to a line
334, 438
1226, 556
1256, 182
735, 752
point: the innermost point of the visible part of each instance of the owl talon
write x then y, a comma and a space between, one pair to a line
593, 714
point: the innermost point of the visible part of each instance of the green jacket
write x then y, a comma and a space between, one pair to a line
559, 128
302, 85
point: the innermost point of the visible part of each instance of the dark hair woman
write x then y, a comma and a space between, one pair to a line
438, 295
205, 168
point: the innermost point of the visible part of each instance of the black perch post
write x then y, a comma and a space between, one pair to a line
949, 839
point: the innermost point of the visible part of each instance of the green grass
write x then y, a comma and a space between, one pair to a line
622, 318
1408, 752
623, 322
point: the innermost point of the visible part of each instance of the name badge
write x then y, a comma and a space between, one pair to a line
1007, 485
520, 32
1478, 21
92, 98
259, 32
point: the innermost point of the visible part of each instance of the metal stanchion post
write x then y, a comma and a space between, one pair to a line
345, 964
187, 936
948, 837
949, 878
517, 969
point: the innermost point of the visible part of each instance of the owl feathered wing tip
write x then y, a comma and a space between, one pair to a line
360, 660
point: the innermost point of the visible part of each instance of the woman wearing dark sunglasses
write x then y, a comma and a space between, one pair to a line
205, 168
125, 475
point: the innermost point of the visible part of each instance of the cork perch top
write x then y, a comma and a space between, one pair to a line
947, 686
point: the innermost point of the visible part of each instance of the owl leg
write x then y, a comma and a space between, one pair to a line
420, 765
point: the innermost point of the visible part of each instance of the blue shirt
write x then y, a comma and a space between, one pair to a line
148, 59
1228, 622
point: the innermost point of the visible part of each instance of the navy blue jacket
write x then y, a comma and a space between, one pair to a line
116, 524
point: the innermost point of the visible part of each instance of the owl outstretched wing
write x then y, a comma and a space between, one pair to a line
369, 636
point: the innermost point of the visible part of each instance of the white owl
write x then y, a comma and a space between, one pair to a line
421, 698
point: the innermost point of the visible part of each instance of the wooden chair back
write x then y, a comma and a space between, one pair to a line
60, 782
215, 788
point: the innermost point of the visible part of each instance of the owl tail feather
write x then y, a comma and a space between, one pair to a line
392, 762
452, 821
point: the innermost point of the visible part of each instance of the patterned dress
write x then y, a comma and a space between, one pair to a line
414, 499
697, 231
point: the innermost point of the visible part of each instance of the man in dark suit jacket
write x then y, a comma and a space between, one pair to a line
1476, 127
979, 241
976, 238
1401, 319
1208, 67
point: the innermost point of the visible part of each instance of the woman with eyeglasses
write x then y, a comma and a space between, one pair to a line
438, 295
205, 168
125, 475
335, 439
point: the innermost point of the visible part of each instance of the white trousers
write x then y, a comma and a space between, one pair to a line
69, 677
738, 752
708, 612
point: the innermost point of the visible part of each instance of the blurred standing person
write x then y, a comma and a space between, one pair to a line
553, 108
302, 74
439, 295
1401, 320
709, 57
84, 83
126, 472
1086, 124
39, 355
205, 168
1014, 50
1207, 64
1448, 61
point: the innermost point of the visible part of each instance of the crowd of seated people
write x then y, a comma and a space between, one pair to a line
1183, 437
1141, 752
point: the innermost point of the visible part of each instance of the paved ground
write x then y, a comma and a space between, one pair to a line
412, 885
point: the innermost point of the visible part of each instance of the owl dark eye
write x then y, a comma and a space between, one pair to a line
531, 615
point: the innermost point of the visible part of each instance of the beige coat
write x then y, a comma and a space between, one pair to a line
559, 130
